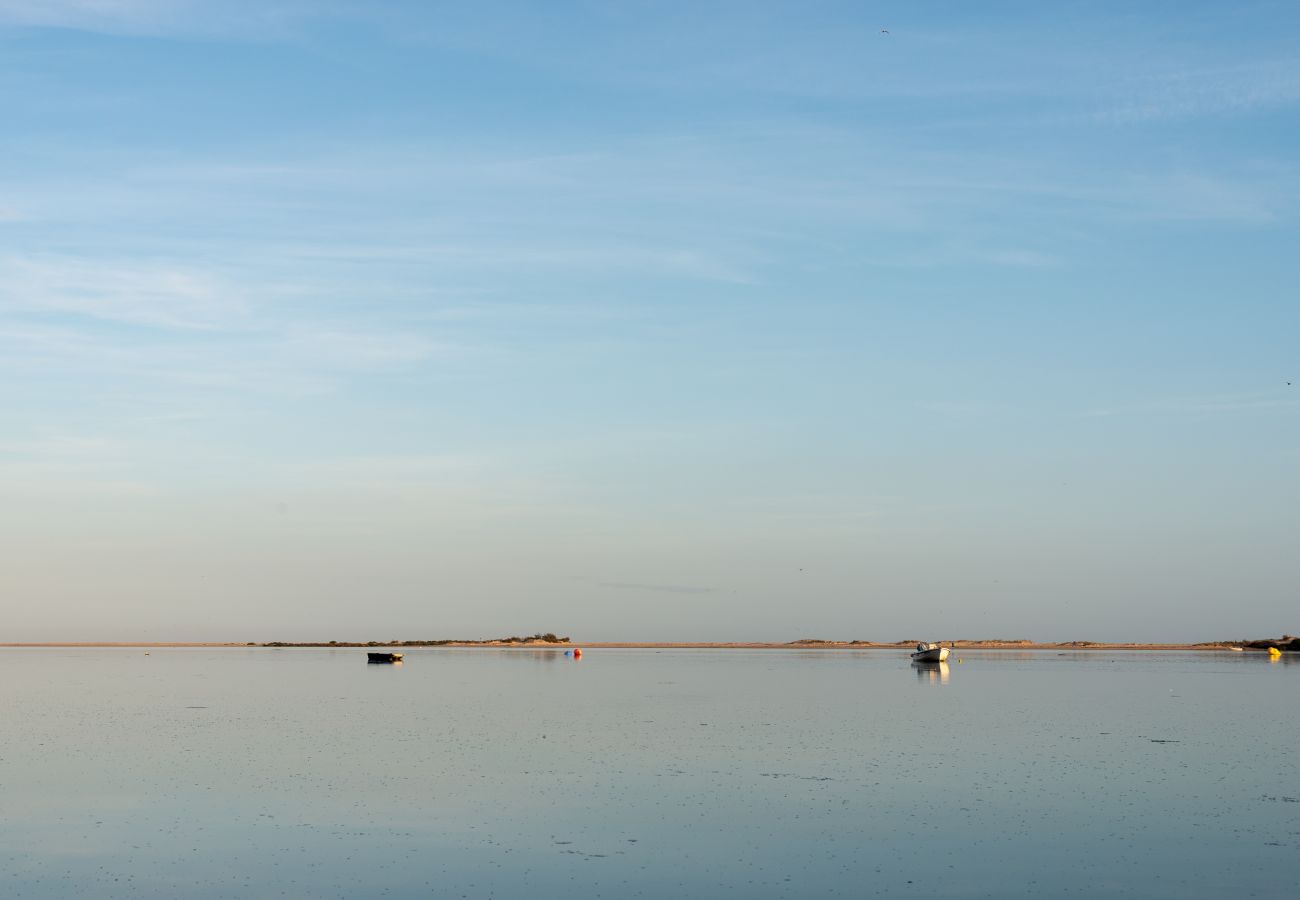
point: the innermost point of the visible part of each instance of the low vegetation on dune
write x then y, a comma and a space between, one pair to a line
1285, 642
548, 637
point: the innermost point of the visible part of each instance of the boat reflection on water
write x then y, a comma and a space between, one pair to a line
932, 672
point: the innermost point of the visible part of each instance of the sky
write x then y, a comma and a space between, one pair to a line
649, 321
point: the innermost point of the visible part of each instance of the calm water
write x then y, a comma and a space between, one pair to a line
638, 773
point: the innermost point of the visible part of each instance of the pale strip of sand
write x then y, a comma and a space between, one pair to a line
127, 644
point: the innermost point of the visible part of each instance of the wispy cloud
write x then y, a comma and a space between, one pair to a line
273, 358
657, 588
74, 447
248, 19
1223, 90
960, 409
1221, 404
134, 292
67, 465
411, 470
940, 256
1080, 195
355, 350
43, 479
543, 253
137, 16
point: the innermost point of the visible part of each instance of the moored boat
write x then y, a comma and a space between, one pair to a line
930, 653
384, 657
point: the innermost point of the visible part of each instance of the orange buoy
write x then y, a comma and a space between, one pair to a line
577, 654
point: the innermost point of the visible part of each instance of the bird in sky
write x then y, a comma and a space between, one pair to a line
884, 31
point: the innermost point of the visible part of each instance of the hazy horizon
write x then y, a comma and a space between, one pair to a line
680, 321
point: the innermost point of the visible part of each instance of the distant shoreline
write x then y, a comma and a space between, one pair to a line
662, 645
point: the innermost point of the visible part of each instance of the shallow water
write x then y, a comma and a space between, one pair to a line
639, 773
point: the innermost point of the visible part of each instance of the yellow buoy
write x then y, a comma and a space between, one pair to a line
1274, 653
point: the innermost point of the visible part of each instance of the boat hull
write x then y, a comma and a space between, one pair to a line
934, 654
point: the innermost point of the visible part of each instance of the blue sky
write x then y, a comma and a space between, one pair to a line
648, 320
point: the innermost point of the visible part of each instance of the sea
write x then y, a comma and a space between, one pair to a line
675, 773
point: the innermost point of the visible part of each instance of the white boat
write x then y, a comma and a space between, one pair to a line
930, 653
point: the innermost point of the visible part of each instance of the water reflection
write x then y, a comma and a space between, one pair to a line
214, 773
931, 672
